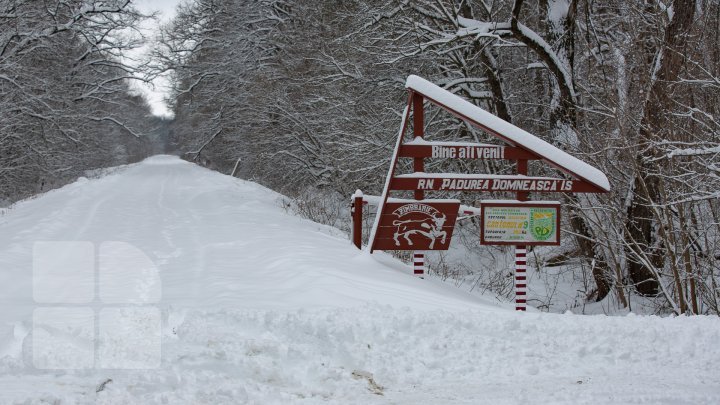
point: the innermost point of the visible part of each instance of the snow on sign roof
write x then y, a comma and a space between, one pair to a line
509, 132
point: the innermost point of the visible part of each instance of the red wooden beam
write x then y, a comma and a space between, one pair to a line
391, 172
522, 168
424, 181
357, 211
469, 151
418, 132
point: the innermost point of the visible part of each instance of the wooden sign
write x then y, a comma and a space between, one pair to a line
417, 225
456, 150
444, 181
520, 223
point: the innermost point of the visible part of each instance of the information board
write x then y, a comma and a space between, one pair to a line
520, 223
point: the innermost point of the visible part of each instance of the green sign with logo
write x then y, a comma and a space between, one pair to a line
542, 223
520, 223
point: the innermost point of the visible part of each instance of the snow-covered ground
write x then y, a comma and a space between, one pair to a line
201, 289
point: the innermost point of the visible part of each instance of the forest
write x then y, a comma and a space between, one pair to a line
65, 98
305, 97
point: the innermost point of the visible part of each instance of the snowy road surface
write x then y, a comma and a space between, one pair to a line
200, 289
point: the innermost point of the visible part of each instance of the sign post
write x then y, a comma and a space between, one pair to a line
427, 224
520, 278
521, 250
356, 209
418, 263
419, 167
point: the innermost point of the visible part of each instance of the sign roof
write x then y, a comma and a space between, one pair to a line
508, 132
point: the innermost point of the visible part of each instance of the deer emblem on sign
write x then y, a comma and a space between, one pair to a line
419, 219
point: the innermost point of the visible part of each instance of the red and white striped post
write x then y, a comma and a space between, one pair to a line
418, 166
521, 252
419, 264
520, 278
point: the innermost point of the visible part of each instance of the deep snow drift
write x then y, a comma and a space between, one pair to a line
233, 300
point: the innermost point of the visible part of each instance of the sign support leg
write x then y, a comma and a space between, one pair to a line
521, 253
418, 263
520, 278
418, 166
356, 209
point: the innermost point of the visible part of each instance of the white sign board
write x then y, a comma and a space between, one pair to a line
520, 223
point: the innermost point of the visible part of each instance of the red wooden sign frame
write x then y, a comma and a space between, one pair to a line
583, 178
436, 221
444, 181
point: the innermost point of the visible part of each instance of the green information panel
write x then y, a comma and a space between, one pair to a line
520, 224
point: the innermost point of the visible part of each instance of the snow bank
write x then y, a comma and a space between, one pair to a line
258, 306
377, 354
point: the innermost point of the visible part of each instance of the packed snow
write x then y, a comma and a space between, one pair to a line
208, 291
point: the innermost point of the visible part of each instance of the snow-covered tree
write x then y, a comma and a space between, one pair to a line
64, 94
306, 95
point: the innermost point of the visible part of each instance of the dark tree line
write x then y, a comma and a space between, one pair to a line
305, 95
66, 105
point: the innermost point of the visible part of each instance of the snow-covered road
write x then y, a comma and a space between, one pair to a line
258, 306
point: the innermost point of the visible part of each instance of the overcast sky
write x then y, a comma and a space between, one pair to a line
166, 7
155, 95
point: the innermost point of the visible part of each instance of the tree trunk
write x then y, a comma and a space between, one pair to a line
564, 119
642, 238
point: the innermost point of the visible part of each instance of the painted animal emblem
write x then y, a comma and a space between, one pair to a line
422, 220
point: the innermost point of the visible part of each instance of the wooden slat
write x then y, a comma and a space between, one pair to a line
493, 183
470, 151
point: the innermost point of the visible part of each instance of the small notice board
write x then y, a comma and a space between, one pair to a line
520, 223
